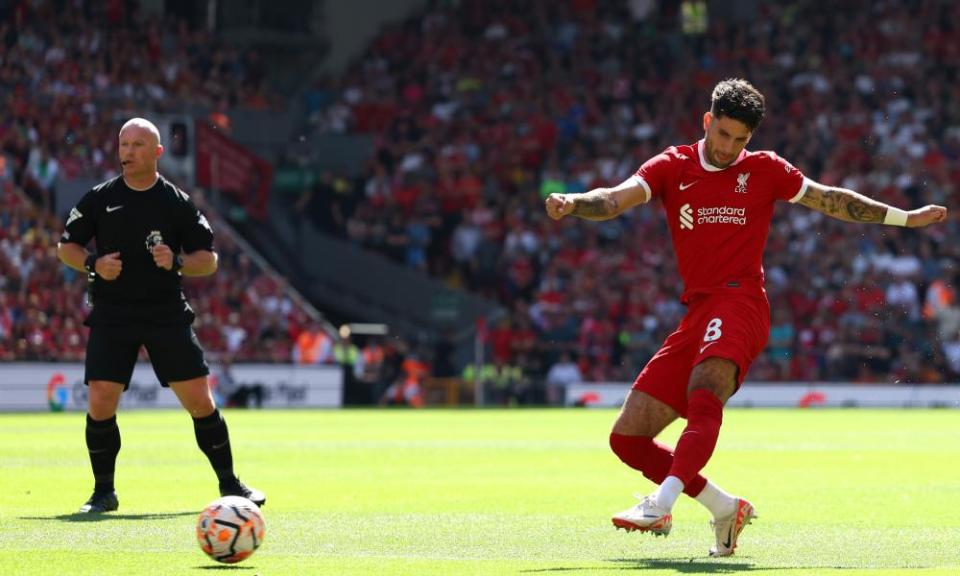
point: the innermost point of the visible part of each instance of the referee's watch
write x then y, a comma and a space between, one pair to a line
90, 264
177, 263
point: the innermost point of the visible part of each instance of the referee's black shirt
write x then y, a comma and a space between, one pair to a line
121, 219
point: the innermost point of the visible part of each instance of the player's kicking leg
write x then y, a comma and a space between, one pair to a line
641, 418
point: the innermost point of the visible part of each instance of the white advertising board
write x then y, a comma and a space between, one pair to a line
28, 386
799, 394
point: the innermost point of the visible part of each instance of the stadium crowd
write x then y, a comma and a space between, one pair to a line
482, 108
90, 61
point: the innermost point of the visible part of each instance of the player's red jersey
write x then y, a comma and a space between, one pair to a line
719, 218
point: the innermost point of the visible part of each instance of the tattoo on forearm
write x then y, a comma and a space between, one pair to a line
595, 206
845, 205
861, 211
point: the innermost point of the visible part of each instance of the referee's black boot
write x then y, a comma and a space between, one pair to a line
235, 487
101, 502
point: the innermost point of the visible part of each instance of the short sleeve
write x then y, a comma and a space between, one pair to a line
81, 223
197, 233
654, 174
788, 182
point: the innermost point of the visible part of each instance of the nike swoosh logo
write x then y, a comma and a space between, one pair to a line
685, 186
705, 346
114, 208
219, 446
729, 538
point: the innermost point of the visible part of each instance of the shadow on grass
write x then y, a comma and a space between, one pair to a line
679, 565
225, 567
81, 517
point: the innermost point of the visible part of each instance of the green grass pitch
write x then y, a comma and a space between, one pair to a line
525, 492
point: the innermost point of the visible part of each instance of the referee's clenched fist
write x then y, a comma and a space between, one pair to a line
109, 266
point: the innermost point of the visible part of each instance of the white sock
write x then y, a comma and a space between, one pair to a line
718, 502
668, 492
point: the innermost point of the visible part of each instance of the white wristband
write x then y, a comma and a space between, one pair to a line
895, 217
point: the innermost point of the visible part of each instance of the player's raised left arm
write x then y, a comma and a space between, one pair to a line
850, 206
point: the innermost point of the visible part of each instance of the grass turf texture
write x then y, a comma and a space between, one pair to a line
494, 492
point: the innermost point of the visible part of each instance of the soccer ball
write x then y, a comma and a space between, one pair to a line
230, 529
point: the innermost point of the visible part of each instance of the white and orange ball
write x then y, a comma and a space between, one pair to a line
230, 529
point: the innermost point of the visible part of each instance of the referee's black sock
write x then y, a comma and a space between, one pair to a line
214, 439
103, 444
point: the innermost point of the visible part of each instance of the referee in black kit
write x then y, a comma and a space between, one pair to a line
148, 233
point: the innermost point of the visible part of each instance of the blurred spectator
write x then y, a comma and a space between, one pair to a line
313, 345
407, 389
347, 355
43, 171
562, 374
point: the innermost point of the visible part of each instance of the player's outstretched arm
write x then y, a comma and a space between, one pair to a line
597, 204
850, 206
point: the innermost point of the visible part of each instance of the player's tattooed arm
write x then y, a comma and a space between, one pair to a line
596, 205
843, 204
849, 206
600, 203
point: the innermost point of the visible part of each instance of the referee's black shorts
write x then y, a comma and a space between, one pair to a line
174, 351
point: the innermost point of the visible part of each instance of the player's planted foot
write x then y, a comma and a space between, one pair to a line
729, 527
646, 516
237, 488
101, 502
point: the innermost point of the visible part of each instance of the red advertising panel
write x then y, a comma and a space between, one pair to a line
224, 165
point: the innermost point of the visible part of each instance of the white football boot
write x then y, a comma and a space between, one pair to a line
729, 527
646, 516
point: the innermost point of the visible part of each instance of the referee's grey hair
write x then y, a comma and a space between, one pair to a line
142, 123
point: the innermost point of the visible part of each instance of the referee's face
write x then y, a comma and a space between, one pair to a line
139, 152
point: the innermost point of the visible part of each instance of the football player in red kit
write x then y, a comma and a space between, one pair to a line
719, 200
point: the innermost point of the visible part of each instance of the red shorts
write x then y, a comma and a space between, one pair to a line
725, 325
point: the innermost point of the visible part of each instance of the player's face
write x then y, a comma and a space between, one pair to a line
139, 151
724, 140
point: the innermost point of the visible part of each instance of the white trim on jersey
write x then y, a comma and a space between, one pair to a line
703, 160
803, 190
710, 167
646, 187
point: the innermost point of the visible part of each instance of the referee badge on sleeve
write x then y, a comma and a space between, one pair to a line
74, 215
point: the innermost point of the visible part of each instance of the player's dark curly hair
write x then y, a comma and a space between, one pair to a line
738, 99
